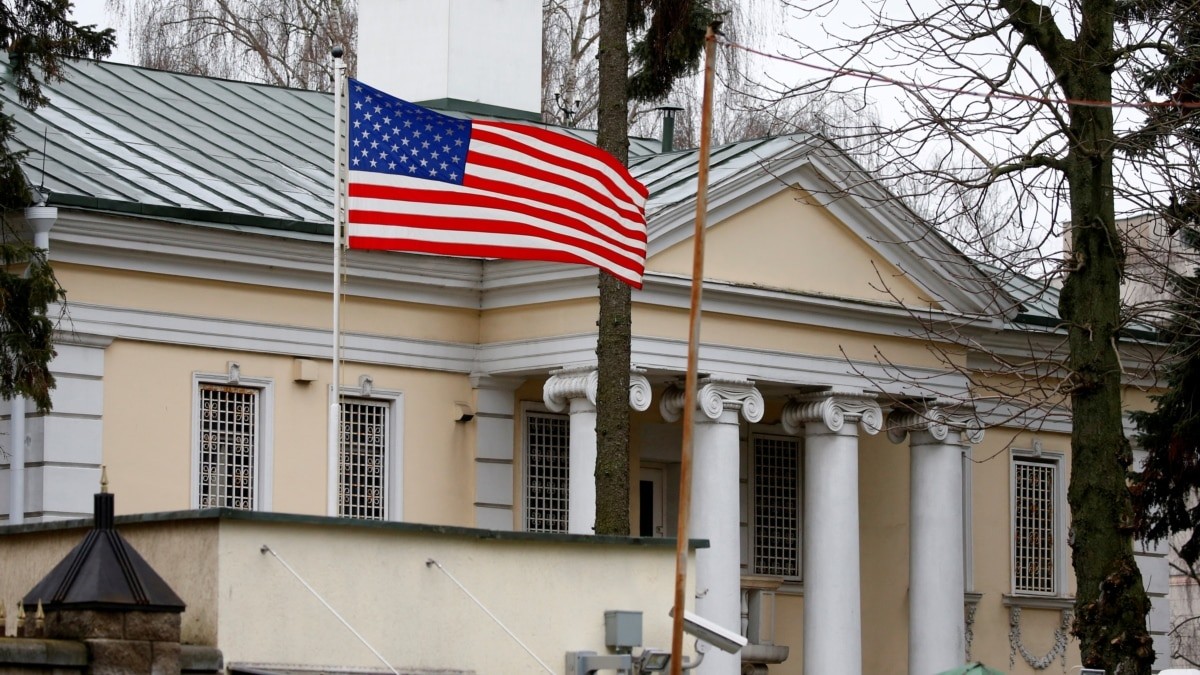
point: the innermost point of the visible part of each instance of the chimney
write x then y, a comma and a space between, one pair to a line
472, 56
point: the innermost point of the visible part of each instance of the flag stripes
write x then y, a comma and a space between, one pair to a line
424, 182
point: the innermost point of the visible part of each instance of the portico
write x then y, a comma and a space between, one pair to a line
829, 425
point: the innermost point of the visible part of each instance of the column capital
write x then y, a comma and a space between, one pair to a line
832, 409
938, 421
714, 396
574, 382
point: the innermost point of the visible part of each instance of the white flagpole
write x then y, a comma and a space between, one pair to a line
334, 445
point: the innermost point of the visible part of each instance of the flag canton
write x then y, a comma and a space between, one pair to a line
389, 135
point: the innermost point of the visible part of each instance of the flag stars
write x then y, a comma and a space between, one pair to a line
396, 137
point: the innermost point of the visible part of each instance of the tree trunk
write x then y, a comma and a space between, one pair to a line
614, 324
1111, 604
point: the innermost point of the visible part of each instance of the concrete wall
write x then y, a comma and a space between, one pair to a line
550, 591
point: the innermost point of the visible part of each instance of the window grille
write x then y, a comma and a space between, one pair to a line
547, 471
362, 459
229, 439
1034, 495
777, 506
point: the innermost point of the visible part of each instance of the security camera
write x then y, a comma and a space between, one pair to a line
708, 631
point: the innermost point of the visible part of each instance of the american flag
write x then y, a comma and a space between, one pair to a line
425, 182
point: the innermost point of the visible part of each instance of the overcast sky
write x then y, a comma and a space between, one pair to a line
93, 12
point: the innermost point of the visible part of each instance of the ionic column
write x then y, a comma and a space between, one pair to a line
714, 513
832, 592
935, 573
574, 389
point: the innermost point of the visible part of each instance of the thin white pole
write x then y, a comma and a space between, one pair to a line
334, 444
267, 549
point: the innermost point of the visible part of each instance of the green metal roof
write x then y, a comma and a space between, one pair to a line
156, 143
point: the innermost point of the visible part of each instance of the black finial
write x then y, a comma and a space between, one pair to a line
337, 52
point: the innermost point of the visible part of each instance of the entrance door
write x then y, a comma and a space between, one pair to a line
650, 494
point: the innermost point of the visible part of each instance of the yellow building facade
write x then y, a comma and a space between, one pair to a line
194, 362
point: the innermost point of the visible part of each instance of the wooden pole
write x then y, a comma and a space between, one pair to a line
693, 358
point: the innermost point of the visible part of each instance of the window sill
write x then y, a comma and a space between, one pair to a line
1037, 602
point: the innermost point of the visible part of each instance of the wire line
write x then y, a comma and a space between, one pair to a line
431, 562
998, 94
267, 549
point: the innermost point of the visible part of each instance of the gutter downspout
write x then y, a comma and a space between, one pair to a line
40, 218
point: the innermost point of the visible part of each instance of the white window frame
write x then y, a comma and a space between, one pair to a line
1058, 460
752, 561
528, 409
394, 480
264, 457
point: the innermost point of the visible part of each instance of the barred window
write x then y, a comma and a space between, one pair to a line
228, 444
776, 506
1035, 499
547, 471
362, 490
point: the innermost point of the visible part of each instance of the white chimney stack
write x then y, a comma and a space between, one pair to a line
482, 56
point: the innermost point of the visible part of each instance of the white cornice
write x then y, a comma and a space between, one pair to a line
922, 255
671, 290
238, 335
675, 223
265, 258
668, 357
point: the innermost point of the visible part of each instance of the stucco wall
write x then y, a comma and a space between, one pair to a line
276, 306
550, 591
551, 595
788, 242
148, 421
